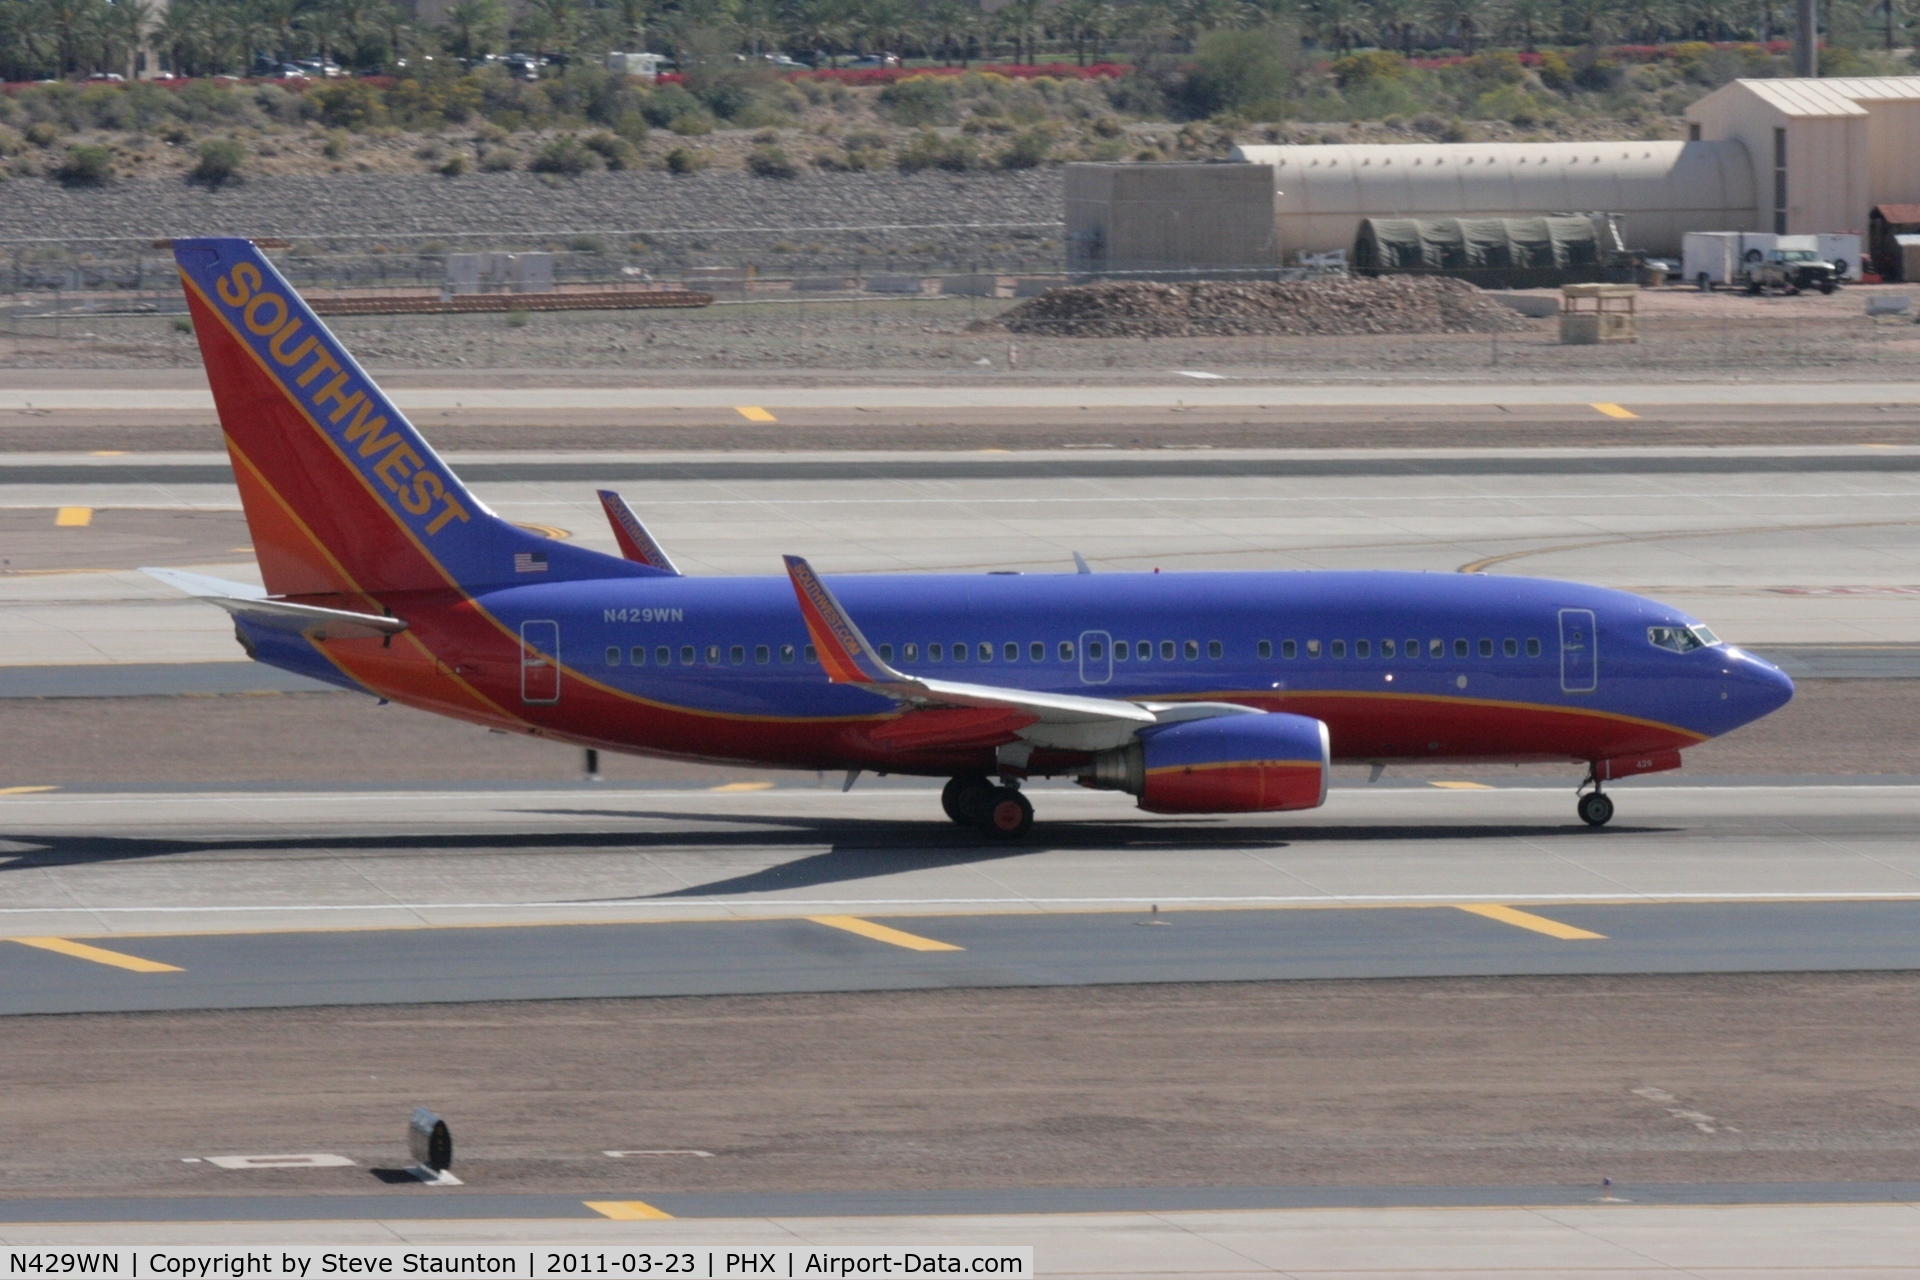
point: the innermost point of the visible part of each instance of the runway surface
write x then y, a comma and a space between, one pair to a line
202, 900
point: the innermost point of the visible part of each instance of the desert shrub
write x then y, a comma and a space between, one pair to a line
43, 133
1027, 150
921, 100
565, 155
86, 166
1247, 73
686, 160
348, 104
692, 124
457, 165
772, 162
614, 151
930, 150
666, 104
220, 162
500, 160
1374, 64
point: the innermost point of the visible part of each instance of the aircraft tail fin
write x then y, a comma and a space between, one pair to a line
636, 543
342, 495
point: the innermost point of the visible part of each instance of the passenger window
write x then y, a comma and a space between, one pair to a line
936, 652
1010, 651
638, 656
886, 653
1386, 648
1096, 650
1288, 649
1459, 648
1533, 647
1362, 649
911, 653
1066, 651
663, 655
1214, 649
613, 655
1143, 650
1339, 648
960, 651
810, 655
1486, 648
686, 655
1313, 648
762, 655
1122, 650
1037, 651
713, 655
1166, 651
1510, 647
737, 654
1190, 650
786, 653
1436, 648
986, 652
1413, 648
1265, 649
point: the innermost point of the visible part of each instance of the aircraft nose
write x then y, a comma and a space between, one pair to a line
1763, 687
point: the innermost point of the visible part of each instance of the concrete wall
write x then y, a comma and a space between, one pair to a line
1893, 153
1165, 219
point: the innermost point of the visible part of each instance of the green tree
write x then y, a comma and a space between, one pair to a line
473, 29
1248, 73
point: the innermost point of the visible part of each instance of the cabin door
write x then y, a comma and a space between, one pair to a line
539, 661
1579, 662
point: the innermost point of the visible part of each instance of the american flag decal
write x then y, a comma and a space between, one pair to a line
529, 562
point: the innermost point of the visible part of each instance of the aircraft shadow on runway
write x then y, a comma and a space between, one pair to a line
858, 849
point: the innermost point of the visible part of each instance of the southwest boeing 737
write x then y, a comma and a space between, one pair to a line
1195, 692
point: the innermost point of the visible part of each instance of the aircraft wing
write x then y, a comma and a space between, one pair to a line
243, 600
1064, 720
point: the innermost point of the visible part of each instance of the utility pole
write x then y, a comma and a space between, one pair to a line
1806, 39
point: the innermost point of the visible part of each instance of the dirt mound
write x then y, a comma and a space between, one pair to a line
1218, 309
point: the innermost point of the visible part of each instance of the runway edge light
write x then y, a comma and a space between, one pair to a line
430, 1143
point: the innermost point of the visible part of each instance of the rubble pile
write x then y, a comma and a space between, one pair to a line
1332, 305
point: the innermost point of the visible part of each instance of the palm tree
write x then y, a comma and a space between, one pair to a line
123, 31
1084, 21
1470, 20
472, 28
948, 24
1396, 21
1020, 19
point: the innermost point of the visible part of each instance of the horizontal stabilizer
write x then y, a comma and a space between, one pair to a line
636, 543
252, 603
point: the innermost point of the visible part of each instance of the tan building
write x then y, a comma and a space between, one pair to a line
1799, 156
1824, 152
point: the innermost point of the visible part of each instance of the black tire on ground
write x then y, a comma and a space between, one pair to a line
965, 797
1828, 286
1596, 810
1755, 288
1705, 282
1008, 815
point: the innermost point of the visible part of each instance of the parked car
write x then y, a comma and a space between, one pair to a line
1790, 271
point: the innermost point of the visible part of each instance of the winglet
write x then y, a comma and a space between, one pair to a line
1080, 564
845, 654
636, 543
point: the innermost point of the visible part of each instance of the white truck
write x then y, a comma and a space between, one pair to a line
1722, 259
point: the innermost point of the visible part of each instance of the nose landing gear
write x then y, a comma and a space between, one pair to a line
1594, 807
1001, 812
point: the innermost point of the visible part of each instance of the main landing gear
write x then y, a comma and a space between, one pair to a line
1000, 812
1594, 807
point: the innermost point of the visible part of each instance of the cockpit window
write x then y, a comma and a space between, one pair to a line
1681, 639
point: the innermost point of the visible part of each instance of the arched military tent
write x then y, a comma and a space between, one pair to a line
1495, 253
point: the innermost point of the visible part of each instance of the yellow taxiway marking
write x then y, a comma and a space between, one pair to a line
74, 517
754, 413
1528, 920
106, 453
880, 933
743, 786
26, 791
1615, 411
1461, 786
626, 1210
99, 955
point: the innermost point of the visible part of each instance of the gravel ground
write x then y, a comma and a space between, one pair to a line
1457, 1082
525, 210
1345, 306
1831, 727
937, 337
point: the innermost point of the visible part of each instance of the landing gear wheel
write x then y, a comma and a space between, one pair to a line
1007, 815
965, 799
1596, 810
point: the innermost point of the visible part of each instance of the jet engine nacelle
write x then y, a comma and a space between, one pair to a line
1229, 764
